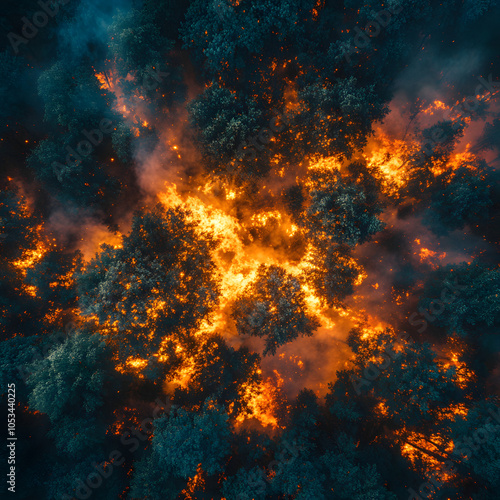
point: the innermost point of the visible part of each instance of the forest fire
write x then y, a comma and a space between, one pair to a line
250, 250
261, 402
239, 255
32, 255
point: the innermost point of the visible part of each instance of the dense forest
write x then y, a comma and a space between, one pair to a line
249, 249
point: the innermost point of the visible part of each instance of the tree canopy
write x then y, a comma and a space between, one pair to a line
273, 306
160, 281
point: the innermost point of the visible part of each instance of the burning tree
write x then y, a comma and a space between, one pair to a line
160, 282
324, 182
273, 306
333, 273
341, 210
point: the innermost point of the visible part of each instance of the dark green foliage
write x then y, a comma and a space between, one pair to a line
491, 135
153, 482
72, 97
80, 359
476, 441
167, 15
415, 387
347, 478
70, 478
187, 439
17, 227
246, 485
464, 200
160, 282
273, 307
70, 386
474, 10
336, 119
16, 354
302, 479
337, 473
36, 277
53, 277
225, 34
473, 304
224, 119
254, 92
333, 273
141, 54
220, 371
84, 183
136, 42
411, 382
74, 106
341, 210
